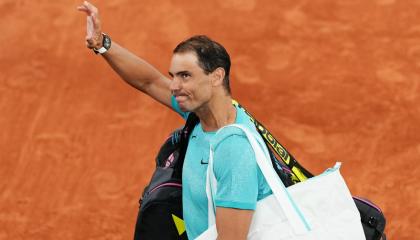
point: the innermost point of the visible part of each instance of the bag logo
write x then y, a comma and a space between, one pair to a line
204, 162
170, 160
179, 223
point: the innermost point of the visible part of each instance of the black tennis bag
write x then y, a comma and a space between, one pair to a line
373, 220
160, 213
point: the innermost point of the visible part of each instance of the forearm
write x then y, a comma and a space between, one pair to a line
132, 69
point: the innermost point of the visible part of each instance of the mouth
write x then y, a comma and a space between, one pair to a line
180, 98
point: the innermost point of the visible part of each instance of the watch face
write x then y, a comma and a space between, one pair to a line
107, 42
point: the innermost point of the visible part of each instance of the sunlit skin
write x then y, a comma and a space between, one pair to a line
201, 93
190, 85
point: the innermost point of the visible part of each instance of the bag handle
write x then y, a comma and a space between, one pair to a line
283, 197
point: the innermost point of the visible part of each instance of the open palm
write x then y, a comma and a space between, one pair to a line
93, 26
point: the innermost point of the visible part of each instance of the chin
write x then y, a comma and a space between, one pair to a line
187, 108
184, 108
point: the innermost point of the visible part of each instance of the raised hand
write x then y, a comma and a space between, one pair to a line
93, 25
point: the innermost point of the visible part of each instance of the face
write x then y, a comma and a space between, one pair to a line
190, 85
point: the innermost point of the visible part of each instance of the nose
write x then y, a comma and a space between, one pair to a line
175, 85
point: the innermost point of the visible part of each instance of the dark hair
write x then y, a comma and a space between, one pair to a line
210, 54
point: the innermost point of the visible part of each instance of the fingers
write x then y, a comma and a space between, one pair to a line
83, 8
89, 27
93, 27
88, 8
95, 22
92, 12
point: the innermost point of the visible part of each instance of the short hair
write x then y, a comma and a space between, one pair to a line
210, 54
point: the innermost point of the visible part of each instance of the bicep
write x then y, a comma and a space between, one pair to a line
233, 223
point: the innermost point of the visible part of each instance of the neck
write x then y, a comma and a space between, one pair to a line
217, 113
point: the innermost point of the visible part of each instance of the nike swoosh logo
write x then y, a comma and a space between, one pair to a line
202, 162
193, 136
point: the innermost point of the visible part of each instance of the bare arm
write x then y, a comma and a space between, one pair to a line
132, 69
139, 74
233, 224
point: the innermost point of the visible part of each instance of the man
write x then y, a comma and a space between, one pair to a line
200, 83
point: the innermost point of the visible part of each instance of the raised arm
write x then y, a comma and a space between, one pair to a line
132, 69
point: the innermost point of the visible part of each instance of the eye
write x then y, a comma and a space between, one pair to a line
185, 75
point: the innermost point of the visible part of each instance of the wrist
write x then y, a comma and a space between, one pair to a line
104, 44
99, 42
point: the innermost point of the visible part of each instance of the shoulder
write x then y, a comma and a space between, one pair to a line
229, 135
233, 153
232, 141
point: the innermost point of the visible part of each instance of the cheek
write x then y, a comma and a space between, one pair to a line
205, 88
202, 93
197, 90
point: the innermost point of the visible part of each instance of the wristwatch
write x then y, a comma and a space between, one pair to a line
106, 44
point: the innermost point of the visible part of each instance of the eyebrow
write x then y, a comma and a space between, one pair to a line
179, 73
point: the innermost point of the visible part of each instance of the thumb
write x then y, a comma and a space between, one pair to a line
90, 43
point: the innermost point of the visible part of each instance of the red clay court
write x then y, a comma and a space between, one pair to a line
332, 80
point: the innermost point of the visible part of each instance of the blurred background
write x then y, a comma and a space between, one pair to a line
332, 80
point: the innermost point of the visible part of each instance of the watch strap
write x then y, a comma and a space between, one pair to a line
100, 50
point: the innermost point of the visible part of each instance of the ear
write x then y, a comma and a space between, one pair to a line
217, 76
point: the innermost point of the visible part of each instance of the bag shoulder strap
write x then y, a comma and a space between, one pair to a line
191, 122
299, 172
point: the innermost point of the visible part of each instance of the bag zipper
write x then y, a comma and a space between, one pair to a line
146, 194
368, 203
165, 185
